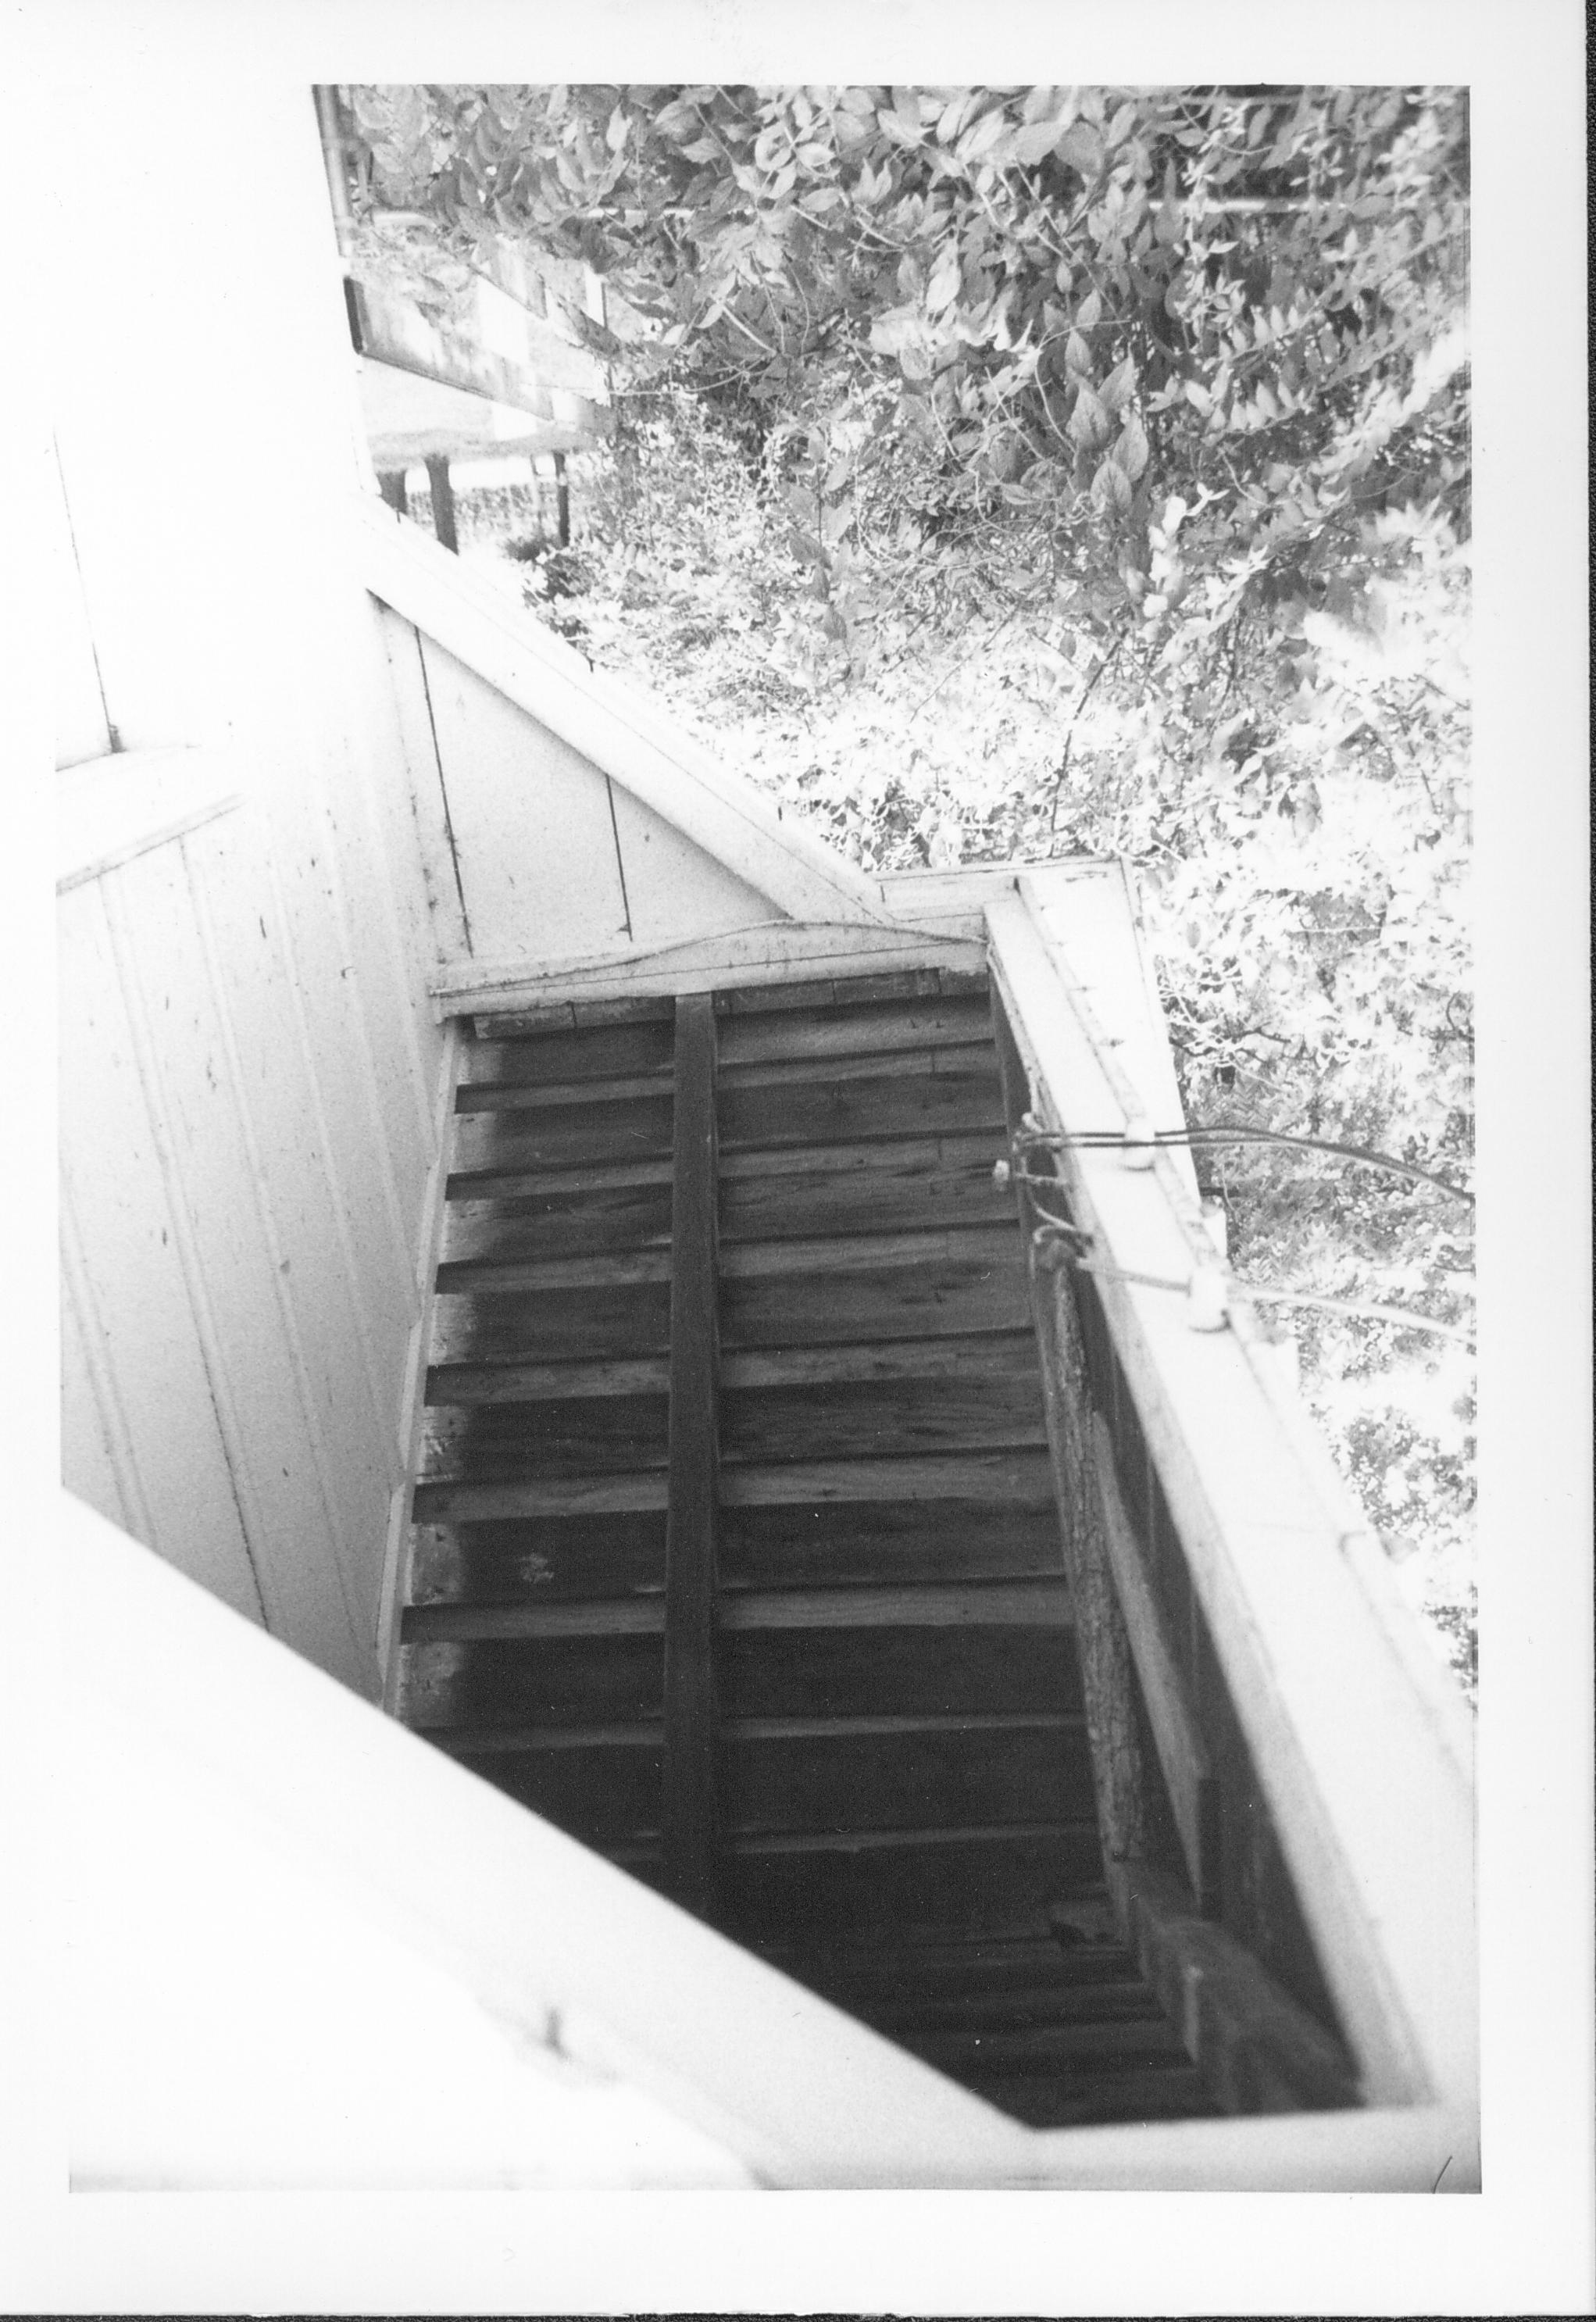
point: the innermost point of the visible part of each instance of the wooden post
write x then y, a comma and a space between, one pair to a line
691, 1737
1120, 1776
561, 501
443, 491
392, 488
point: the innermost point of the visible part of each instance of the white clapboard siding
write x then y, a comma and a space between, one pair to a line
134, 1270
529, 849
255, 1361
530, 816
250, 1066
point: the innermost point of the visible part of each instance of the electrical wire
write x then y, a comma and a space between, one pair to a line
1060, 1140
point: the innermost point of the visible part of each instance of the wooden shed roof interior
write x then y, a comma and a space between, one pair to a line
737, 1549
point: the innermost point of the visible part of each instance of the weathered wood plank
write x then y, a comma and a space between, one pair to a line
857, 1253
529, 1682
573, 1016
426, 1625
991, 1877
994, 1356
560, 1495
691, 1811
875, 1418
598, 1270
907, 984
629, 1320
900, 1192
885, 1773
840, 1111
502, 1442
844, 1542
536, 1184
1001, 1604
959, 1296
559, 1225
983, 1477
1256, 2048
560, 1559
566, 1055
568, 1138
479, 1383
560, 1096
1189, 1779
902, 1672
965, 1061
855, 1031
1123, 1781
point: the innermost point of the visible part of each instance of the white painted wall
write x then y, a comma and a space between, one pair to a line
250, 1071
528, 844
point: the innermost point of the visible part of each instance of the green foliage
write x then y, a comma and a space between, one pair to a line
1015, 472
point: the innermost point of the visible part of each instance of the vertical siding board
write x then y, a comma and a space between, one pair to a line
303, 1220
95, 1455
366, 907
675, 891
138, 1322
392, 916
450, 938
257, 1380
531, 821
323, 1005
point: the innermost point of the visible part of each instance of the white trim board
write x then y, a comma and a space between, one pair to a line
782, 952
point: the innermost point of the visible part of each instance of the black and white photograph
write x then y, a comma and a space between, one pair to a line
786, 817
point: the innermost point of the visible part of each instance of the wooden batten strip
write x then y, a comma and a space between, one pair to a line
868, 1729
899, 1842
554, 1740
691, 1808
635, 1616
998, 1603
560, 1495
836, 1032
487, 1382
605, 1269
564, 1096
1189, 1779
981, 1475
826, 1068
997, 1355
852, 1253
532, 1185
